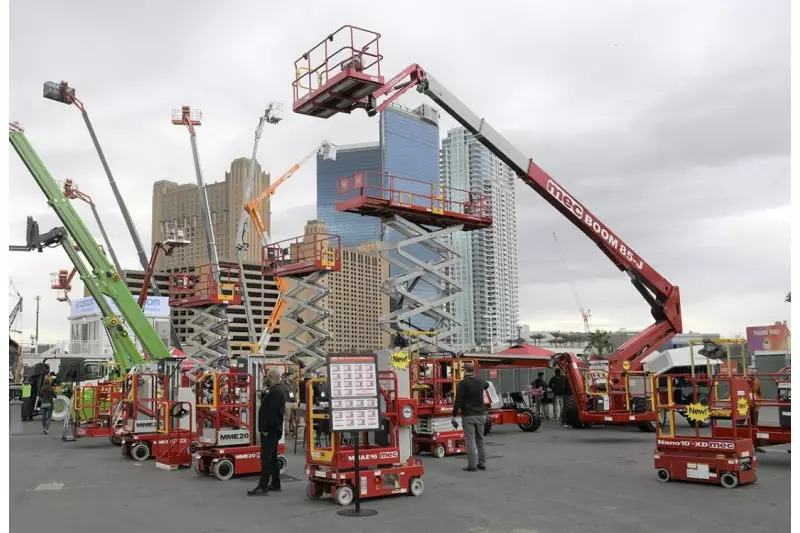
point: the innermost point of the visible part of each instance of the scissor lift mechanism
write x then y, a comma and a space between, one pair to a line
306, 261
343, 73
425, 216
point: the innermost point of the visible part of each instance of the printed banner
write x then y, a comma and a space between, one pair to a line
768, 338
155, 307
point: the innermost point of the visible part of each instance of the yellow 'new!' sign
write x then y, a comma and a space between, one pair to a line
400, 360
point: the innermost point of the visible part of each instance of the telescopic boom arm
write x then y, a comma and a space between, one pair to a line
271, 116
102, 279
662, 296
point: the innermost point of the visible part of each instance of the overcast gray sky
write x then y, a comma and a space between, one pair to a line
669, 120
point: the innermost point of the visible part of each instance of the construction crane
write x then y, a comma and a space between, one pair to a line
64, 94
99, 276
328, 152
272, 115
15, 312
350, 78
585, 313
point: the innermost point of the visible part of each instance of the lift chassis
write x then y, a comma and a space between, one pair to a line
350, 78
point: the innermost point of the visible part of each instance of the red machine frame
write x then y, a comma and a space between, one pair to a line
380, 194
331, 469
364, 91
193, 289
160, 440
227, 412
104, 402
718, 458
433, 402
303, 255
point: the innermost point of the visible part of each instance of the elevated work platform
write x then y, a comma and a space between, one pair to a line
305, 261
427, 204
337, 74
198, 288
303, 255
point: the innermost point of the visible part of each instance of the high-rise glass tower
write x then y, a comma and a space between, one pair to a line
410, 149
354, 229
488, 271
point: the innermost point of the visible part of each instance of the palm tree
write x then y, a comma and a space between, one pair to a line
788, 298
537, 338
600, 343
556, 337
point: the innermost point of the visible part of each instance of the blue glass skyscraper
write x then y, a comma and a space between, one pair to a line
350, 159
410, 149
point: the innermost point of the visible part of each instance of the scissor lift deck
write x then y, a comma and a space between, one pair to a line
306, 261
338, 74
317, 252
383, 195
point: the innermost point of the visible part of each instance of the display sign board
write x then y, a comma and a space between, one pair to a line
768, 338
353, 382
154, 307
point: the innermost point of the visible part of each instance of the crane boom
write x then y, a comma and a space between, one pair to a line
101, 279
662, 296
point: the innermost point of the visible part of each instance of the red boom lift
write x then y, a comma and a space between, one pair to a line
343, 73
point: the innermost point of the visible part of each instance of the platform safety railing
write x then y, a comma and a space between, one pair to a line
349, 45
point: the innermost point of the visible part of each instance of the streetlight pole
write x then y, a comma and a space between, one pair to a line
36, 336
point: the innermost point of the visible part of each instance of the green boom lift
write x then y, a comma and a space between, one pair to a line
101, 279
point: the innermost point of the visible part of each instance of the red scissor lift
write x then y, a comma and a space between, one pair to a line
94, 407
226, 414
331, 467
306, 260
193, 289
434, 382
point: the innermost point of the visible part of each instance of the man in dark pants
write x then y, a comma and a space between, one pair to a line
469, 402
270, 429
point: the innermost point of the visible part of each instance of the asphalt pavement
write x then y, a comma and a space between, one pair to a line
552, 481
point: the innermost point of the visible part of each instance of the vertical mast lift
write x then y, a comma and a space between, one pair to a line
207, 292
271, 116
350, 78
63, 93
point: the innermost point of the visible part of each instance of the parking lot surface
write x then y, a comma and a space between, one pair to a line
551, 481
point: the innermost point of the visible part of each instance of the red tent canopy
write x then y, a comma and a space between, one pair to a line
523, 356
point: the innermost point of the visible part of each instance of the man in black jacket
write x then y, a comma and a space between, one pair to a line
270, 429
469, 402
560, 388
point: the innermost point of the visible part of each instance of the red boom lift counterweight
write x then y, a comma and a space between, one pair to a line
343, 73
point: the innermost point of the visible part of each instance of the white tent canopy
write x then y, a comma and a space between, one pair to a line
660, 362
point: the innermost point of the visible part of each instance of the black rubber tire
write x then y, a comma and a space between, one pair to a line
729, 480
572, 415
115, 439
647, 427
535, 421
663, 475
140, 451
314, 491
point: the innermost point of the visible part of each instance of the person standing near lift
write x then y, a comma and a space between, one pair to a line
270, 429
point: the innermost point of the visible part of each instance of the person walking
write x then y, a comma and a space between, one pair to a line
270, 427
47, 395
558, 384
469, 402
